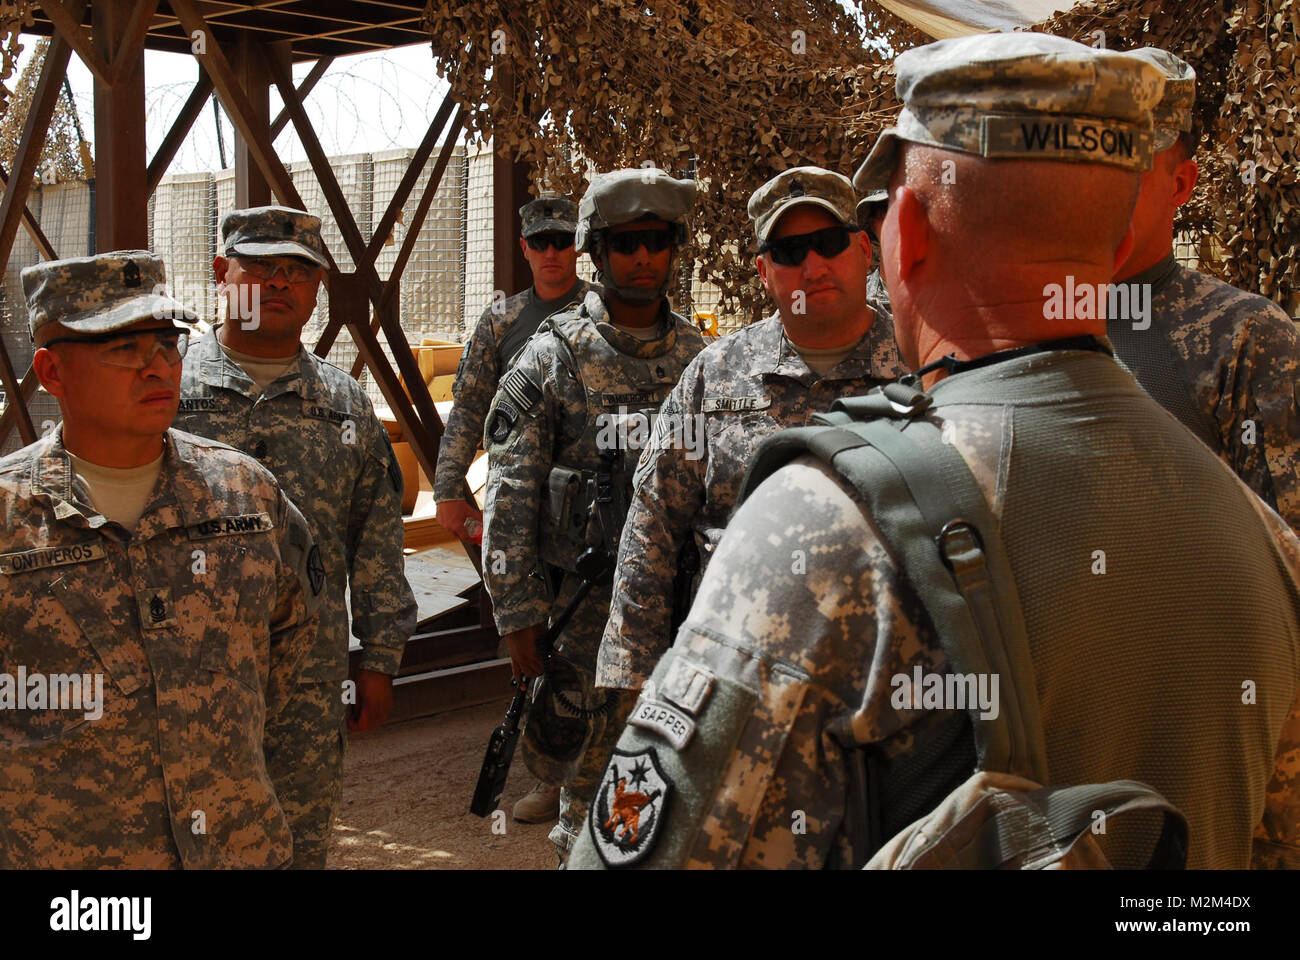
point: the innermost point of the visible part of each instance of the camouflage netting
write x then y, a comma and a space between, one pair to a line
1247, 60
14, 15
751, 88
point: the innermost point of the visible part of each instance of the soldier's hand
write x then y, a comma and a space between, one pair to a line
522, 645
452, 515
374, 700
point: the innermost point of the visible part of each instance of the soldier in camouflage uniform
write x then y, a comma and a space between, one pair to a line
586, 385
158, 594
250, 383
546, 238
1222, 360
790, 661
740, 390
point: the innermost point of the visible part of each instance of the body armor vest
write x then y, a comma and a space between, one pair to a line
623, 382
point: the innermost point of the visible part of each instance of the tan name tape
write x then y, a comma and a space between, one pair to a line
638, 398
231, 526
12, 563
1067, 138
734, 404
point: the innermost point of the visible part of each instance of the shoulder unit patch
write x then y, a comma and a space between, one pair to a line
627, 814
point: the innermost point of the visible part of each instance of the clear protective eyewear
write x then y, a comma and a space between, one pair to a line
264, 268
135, 350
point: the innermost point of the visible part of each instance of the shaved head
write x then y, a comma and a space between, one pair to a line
1020, 212
970, 246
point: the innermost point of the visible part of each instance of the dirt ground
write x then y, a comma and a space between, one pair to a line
406, 793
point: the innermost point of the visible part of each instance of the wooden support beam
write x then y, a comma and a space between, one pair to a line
409, 178
422, 209
32, 142
308, 84
251, 187
180, 129
394, 282
67, 23
129, 54
227, 87
16, 408
14, 390
121, 193
33, 229
348, 298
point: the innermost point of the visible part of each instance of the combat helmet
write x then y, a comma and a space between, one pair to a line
624, 196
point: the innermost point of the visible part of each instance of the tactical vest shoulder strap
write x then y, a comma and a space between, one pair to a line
933, 517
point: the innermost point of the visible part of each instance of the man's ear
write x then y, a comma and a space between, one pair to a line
760, 264
219, 267
49, 370
1185, 176
864, 242
523, 245
913, 229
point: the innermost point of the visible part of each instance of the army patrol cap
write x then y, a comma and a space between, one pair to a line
622, 196
1024, 96
548, 215
1173, 114
100, 294
273, 232
814, 186
867, 206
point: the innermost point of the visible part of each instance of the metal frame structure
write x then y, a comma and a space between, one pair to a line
243, 49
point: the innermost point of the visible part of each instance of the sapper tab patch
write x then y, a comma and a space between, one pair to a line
23, 561
230, 526
627, 814
671, 724
687, 685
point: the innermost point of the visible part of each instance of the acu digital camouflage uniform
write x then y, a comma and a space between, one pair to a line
740, 390
804, 620
315, 429
1236, 352
501, 333
198, 622
578, 368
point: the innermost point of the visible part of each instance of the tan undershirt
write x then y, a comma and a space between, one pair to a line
821, 362
261, 370
119, 494
641, 333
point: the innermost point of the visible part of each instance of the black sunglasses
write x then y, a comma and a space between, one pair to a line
791, 251
540, 241
628, 242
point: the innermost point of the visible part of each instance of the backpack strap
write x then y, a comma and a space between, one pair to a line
933, 518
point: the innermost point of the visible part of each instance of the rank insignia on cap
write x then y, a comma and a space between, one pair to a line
796, 188
288, 228
627, 814
131, 274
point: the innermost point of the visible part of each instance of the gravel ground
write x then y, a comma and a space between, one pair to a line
406, 793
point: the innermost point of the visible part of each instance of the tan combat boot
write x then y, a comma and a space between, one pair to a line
539, 805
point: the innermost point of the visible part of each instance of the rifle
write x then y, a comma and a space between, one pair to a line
596, 568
